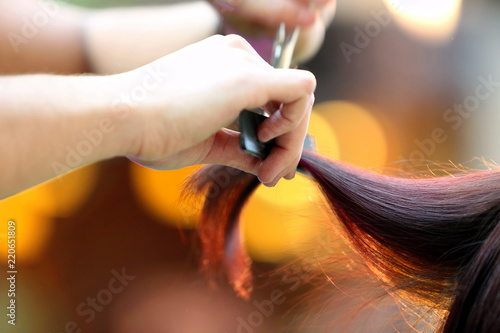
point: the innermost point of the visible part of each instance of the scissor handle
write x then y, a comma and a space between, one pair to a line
250, 144
249, 121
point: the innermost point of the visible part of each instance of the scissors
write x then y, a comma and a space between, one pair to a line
284, 46
249, 121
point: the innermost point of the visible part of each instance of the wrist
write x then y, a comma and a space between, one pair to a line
118, 120
138, 112
98, 117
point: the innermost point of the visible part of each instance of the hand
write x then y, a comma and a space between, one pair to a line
314, 16
203, 87
272, 12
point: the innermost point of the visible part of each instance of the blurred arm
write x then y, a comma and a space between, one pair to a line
46, 36
40, 36
121, 39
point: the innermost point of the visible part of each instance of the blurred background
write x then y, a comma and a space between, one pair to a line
405, 87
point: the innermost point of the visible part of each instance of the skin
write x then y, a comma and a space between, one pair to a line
291, 12
312, 15
164, 114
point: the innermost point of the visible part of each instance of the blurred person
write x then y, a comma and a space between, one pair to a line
164, 90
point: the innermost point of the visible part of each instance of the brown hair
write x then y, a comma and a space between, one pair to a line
435, 238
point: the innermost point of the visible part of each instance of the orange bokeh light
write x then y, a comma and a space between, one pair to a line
361, 137
160, 192
279, 220
33, 210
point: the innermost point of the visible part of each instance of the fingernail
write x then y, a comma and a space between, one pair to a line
265, 181
270, 184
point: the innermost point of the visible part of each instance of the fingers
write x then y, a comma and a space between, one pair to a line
291, 174
226, 150
285, 155
281, 85
288, 125
272, 169
231, 77
328, 12
282, 162
294, 88
272, 12
239, 42
286, 119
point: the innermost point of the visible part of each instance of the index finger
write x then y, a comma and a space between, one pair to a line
286, 153
292, 111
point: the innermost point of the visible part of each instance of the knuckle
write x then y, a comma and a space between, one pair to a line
248, 59
216, 38
236, 41
289, 121
297, 161
310, 81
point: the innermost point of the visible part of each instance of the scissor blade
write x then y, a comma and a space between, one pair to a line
287, 49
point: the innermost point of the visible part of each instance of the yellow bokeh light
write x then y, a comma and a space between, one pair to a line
33, 227
161, 193
33, 231
290, 194
279, 220
273, 233
427, 19
361, 138
69, 191
324, 136
33, 210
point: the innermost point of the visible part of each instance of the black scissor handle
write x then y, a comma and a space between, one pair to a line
249, 123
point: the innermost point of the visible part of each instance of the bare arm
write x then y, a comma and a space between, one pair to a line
166, 115
50, 37
121, 39
47, 36
40, 36
44, 124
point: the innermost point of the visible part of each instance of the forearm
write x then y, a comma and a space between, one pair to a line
161, 115
121, 39
51, 124
50, 37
